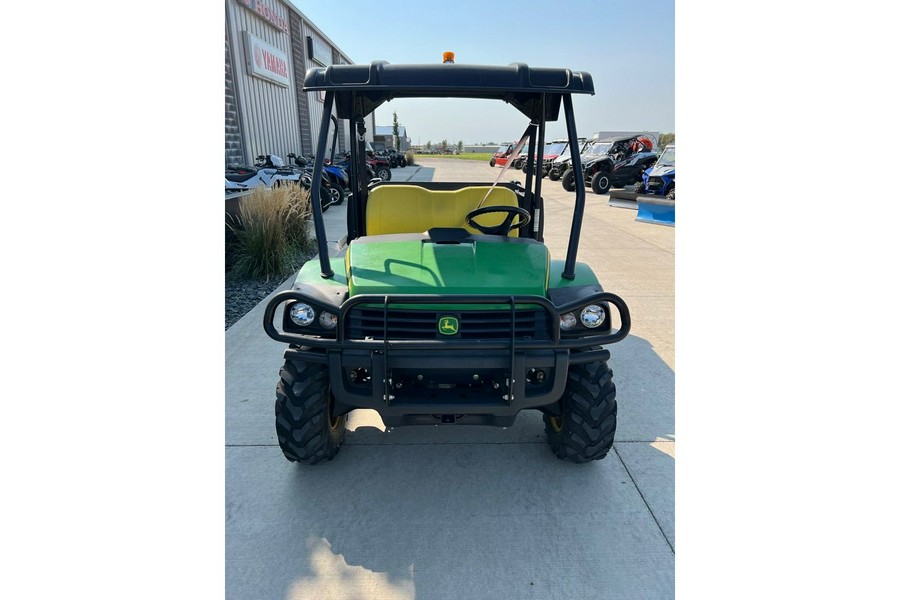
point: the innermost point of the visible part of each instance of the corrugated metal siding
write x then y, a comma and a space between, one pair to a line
234, 150
298, 46
316, 105
269, 116
342, 130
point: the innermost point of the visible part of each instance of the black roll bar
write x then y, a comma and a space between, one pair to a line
532, 134
538, 206
316, 189
333, 138
578, 216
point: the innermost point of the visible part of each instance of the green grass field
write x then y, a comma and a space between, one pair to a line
485, 156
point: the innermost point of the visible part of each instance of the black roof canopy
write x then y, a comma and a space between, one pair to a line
518, 84
618, 138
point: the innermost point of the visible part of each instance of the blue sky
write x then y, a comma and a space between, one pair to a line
628, 47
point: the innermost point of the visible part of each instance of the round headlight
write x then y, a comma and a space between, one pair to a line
327, 320
302, 314
567, 321
592, 316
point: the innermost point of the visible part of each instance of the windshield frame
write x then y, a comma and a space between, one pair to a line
603, 146
661, 161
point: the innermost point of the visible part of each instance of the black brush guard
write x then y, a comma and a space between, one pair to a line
385, 359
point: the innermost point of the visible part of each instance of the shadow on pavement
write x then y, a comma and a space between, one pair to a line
463, 512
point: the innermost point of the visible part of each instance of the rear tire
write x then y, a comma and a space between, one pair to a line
493, 162
553, 175
586, 427
600, 182
568, 180
306, 430
384, 173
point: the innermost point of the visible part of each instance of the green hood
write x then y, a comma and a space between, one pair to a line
482, 266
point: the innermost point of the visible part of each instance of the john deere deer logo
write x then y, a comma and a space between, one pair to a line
448, 325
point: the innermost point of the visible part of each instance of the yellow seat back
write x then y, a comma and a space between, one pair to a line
414, 209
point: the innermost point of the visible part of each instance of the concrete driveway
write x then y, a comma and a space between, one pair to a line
467, 512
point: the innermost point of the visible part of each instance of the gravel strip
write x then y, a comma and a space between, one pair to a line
241, 295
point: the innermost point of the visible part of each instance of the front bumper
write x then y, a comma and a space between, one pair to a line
448, 379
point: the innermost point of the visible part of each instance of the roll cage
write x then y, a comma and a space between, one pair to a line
538, 93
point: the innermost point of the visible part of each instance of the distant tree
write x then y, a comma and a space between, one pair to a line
444, 146
459, 146
396, 132
665, 139
428, 145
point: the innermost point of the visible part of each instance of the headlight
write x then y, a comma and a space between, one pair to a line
592, 316
567, 321
302, 314
327, 320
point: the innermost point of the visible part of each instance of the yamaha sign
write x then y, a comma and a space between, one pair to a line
266, 61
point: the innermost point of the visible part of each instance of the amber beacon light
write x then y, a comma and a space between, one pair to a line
448, 57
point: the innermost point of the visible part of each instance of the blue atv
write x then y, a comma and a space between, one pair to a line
660, 180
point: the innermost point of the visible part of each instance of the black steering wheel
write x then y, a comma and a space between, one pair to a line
503, 228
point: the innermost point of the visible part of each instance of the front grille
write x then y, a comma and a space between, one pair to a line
655, 183
531, 324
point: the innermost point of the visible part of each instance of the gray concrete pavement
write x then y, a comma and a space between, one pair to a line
467, 512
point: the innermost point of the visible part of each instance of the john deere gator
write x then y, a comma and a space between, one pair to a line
446, 307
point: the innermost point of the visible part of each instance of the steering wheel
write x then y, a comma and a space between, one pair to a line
503, 228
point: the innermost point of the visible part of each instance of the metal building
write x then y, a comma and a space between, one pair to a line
269, 45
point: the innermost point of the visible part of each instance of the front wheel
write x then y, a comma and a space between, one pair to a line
568, 180
553, 175
384, 173
493, 162
600, 183
307, 431
336, 194
585, 429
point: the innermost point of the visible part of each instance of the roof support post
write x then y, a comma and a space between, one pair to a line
538, 227
528, 167
578, 216
316, 188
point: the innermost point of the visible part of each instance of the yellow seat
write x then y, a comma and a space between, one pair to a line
414, 209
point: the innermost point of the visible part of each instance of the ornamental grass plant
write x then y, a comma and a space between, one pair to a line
271, 237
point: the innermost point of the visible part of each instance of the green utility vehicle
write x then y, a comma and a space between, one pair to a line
446, 307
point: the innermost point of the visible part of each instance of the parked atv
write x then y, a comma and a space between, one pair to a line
561, 163
380, 164
592, 150
337, 176
398, 159
552, 151
615, 162
269, 171
343, 161
623, 165
660, 180
446, 307
503, 154
330, 195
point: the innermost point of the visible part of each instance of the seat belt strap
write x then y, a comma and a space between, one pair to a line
515, 152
